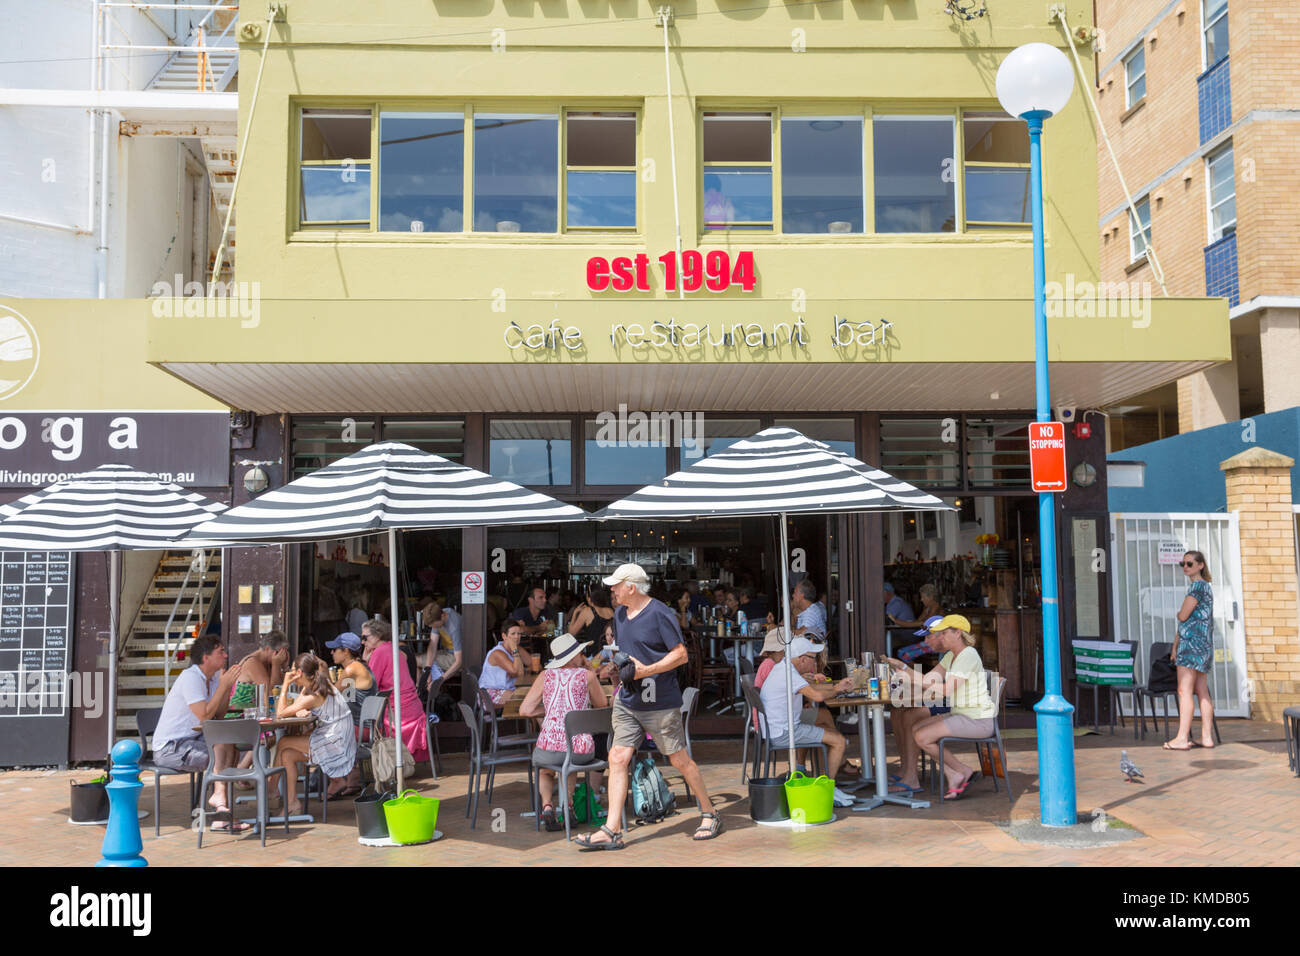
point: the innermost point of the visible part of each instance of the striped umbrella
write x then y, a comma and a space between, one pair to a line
112, 508
385, 486
779, 471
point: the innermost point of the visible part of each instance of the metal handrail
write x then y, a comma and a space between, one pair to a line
171, 618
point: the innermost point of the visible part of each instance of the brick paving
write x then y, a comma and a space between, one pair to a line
1236, 805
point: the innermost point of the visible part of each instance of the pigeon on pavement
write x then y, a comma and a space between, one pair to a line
1128, 767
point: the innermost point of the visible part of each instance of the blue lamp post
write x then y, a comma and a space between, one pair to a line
1034, 82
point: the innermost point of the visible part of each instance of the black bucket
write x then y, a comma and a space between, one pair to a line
89, 803
767, 803
371, 823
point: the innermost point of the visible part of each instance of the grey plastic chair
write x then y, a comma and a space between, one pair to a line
479, 761
1169, 697
372, 712
594, 721
146, 722
1291, 725
500, 743
244, 735
766, 749
997, 685
435, 751
747, 681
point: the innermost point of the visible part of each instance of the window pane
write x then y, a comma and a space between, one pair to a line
531, 452
997, 452
516, 174
737, 194
921, 451
1223, 217
1138, 90
836, 432
821, 175
1135, 75
737, 137
445, 438
1216, 42
318, 442
336, 193
611, 463
601, 139
335, 134
600, 199
995, 139
915, 187
997, 195
721, 433
1221, 176
421, 171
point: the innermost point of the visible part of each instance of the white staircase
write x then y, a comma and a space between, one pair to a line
183, 592
209, 60
219, 158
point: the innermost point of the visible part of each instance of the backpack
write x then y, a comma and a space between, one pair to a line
651, 798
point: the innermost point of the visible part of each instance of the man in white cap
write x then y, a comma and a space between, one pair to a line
781, 698
648, 702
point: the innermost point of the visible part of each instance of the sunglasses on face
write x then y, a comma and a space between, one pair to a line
1189, 564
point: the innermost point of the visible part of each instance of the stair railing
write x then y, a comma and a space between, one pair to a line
199, 556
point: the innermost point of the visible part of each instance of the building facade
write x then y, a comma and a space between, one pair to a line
1199, 98
462, 231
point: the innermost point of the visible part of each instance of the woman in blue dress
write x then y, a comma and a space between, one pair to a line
1193, 654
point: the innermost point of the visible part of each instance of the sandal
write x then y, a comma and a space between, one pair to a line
344, 793
1165, 746
230, 826
713, 828
955, 793
549, 820
615, 841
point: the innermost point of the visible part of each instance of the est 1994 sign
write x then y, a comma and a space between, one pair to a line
713, 270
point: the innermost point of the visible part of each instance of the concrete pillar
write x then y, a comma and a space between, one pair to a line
1209, 398
1259, 491
1279, 352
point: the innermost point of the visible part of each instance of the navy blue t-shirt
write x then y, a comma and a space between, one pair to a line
648, 637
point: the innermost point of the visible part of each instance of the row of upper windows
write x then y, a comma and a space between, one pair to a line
464, 171
1221, 205
1214, 47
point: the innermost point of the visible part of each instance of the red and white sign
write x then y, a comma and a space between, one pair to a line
471, 587
713, 271
1047, 456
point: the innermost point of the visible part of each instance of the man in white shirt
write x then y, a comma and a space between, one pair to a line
810, 614
777, 701
201, 692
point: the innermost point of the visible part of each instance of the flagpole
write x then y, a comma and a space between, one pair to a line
397, 654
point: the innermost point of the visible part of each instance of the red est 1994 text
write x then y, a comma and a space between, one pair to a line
713, 271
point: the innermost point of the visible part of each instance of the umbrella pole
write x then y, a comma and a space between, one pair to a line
114, 600
789, 638
397, 654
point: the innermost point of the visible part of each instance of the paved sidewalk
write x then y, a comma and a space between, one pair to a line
1235, 805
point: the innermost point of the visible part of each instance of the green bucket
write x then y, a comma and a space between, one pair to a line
814, 799
411, 818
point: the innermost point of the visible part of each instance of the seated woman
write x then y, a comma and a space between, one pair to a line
566, 685
332, 745
960, 678
356, 684
379, 658
504, 664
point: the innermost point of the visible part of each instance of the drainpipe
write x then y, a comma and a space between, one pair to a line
102, 250
664, 16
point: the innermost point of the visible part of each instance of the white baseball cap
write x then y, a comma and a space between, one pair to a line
627, 572
801, 646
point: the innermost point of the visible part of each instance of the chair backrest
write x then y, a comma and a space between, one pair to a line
469, 687
597, 720
146, 722
997, 684
690, 700
1133, 651
1157, 652
241, 733
754, 701
471, 721
746, 666
372, 709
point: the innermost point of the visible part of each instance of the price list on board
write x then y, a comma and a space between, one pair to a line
35, 632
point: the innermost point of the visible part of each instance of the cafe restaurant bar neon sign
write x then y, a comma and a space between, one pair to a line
714, 271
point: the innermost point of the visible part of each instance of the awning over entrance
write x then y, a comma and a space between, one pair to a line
725, 354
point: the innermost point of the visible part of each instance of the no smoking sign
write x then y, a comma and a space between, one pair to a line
471, 587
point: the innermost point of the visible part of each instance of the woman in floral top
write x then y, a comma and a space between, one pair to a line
1194, 653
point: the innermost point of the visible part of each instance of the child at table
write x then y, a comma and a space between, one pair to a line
332, 745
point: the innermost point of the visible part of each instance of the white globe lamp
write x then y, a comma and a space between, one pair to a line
1035, 78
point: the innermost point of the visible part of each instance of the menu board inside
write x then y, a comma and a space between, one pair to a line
35, 624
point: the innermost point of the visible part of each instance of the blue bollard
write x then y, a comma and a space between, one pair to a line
122, 843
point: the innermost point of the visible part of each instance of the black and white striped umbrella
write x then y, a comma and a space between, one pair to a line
777, 471
111, 508
383, 486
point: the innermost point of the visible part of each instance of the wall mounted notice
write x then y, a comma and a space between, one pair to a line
1171, 552
471, 587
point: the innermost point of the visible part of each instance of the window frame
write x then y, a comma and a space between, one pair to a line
748, 227
1210, 205
905, 113
811, 113
1140, 49
1205, 36
1144, 231
566, 167
342, 226
980, 224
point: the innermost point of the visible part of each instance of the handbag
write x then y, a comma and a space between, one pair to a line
1164, 675
383, 758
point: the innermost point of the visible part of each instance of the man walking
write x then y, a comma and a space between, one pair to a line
649, 701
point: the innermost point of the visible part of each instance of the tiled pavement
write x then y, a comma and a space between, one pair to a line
1236, 805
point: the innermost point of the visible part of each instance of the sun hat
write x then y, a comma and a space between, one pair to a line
627, 572
774, 642
929, 625
563, 649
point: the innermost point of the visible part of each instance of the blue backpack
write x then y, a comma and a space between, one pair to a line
651, 798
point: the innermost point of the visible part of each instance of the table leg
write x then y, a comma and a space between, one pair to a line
882, 777
864, 755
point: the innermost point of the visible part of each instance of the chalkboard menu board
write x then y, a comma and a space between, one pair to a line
36, 626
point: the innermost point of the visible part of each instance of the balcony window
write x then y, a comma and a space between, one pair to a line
738, 171
821, 174
334, 168
915, 178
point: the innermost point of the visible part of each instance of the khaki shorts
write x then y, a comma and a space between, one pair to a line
665, 726
970, 728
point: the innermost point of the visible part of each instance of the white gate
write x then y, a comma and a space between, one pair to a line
1149, 588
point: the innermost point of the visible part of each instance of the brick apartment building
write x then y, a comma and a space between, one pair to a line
1202, 104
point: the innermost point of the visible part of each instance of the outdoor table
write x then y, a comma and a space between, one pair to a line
874, 709
291, 724
737, 639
